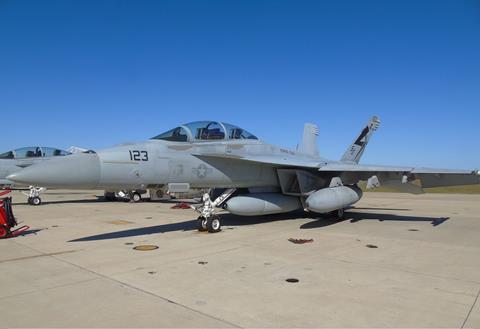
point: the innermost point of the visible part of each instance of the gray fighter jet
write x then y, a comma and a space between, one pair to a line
16, 160
218, 155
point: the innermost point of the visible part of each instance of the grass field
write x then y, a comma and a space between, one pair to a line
463, 189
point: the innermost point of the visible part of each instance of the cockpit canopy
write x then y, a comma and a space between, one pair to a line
205, 131
33, 152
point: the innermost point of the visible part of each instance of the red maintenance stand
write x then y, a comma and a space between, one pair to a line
7, 219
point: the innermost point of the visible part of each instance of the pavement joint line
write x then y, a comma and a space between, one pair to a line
176, 261
46, 289
470, 311
246, 245
137, 288
391, 268
37, 256
149, 293
404, 270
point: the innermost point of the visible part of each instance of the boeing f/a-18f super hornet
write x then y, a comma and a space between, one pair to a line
218, 155
16, 160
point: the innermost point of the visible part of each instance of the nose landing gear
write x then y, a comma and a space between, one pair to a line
208, 219
34, 201
213, 224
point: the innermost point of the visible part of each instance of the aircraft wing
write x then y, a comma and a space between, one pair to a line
429, 177
5, 183
394, 176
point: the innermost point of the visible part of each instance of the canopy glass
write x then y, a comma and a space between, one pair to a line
205, 131
33, 152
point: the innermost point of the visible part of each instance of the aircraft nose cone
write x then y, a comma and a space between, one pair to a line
72, 171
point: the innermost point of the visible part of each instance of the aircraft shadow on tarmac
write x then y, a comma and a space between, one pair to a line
229, 220
189, 225
388, 209
354, 217
181, 226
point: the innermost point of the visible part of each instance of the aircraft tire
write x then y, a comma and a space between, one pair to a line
36, 201
339, 214
202, 224
213, 224
29, 200
136, 197
110, 196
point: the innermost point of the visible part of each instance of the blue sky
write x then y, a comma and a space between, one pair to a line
98, 73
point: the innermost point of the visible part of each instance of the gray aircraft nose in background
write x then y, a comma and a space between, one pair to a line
81, 170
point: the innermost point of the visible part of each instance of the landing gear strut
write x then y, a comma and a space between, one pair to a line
110, 196
338, 214
208, 219
134, 196
34, 195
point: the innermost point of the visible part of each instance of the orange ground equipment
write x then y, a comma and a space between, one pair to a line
7, 219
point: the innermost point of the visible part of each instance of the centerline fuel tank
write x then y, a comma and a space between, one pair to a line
257, 204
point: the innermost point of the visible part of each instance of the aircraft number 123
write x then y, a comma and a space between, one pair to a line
136, 155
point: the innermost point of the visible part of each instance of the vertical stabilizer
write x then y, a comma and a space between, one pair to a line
309, 140
355, 151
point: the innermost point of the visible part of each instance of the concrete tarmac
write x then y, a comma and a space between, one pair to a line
397, 260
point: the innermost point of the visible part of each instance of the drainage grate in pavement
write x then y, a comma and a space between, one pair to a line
145, 247
292, 280
300, 241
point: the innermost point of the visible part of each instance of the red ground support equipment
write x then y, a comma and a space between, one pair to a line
4, 192
7, 220
181, 205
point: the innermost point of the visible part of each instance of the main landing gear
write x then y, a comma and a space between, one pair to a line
208, 219
338, 214
110, 196
134, 196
